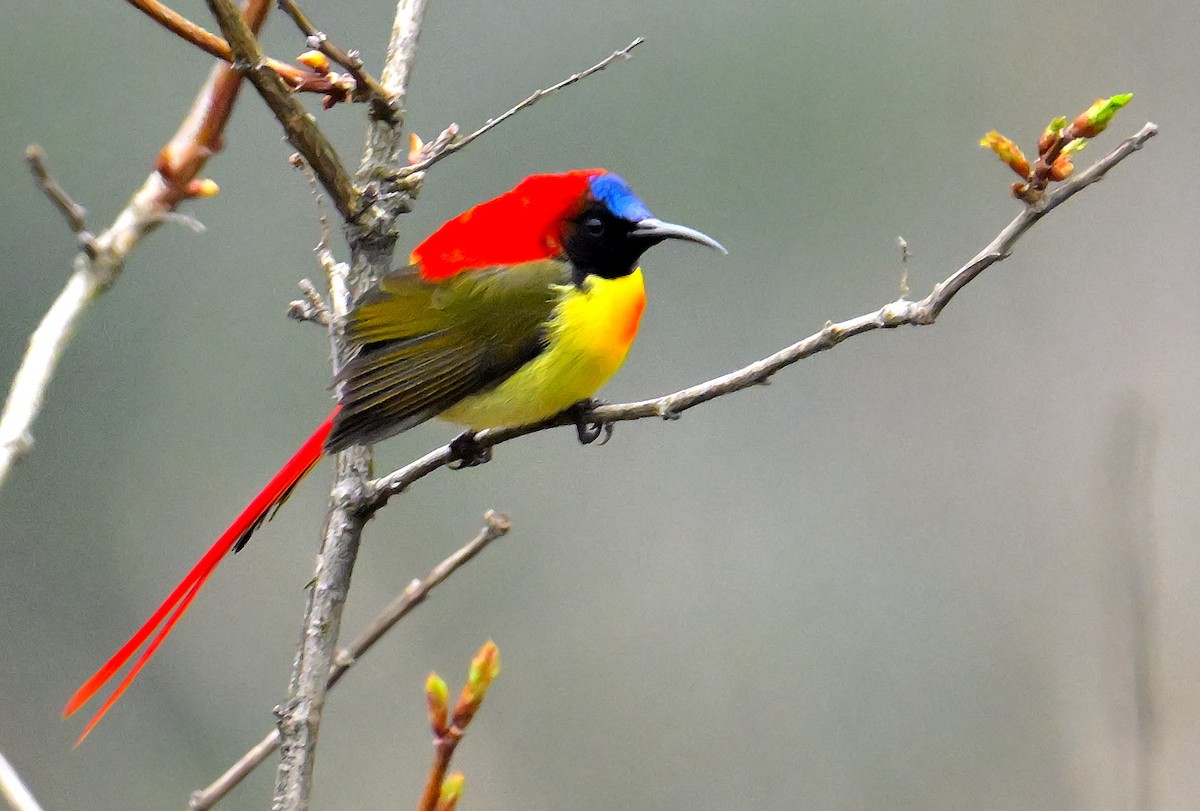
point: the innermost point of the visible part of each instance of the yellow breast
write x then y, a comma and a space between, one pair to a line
590, 333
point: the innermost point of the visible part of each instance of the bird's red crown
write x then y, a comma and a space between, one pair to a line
521, 225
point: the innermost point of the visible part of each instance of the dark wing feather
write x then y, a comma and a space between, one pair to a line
424, 346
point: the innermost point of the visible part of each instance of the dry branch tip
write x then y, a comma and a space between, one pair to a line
71, 211
454, 144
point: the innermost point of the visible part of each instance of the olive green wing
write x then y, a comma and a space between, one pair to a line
423, 346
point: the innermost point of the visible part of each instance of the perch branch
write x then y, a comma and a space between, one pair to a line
13, 789
455, 144
496, 527
103, 257
898, 313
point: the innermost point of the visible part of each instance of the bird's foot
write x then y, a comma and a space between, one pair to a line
587, 426
468, 452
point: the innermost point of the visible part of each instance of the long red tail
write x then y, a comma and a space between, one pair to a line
177, 601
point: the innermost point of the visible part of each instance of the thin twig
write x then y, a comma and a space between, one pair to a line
496, 527
71, 210
298, 161
301, 130
173, 181
14, 790
367, 88
455, 145
898, 313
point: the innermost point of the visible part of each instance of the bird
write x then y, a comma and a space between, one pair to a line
513, 312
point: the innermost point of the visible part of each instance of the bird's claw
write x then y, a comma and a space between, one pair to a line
587, 427
468, 452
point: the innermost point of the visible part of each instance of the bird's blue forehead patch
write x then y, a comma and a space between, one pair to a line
615, 193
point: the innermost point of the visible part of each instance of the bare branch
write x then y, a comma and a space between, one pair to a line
46, 346
454, 145
13, 788
898, 313
299, 127
96, 268
497, 526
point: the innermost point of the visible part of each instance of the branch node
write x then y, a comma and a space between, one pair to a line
358, 85
19, 445
897, 313
311, 308
497, 522
666, 409
831, 332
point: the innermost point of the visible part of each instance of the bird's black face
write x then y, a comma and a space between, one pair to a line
599, 243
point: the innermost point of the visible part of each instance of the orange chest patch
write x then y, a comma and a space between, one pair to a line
601, 320
633, 318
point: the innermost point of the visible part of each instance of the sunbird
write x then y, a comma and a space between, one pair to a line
511, 313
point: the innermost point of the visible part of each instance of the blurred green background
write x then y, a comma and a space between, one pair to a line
908, 575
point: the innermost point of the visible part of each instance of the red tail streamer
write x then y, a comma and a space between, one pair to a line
177, 601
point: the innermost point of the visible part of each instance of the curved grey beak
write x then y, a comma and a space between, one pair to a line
657, 230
